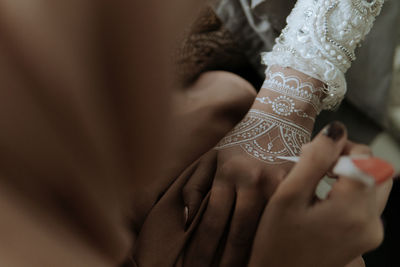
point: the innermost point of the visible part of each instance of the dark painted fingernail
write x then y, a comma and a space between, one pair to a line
334, 131
186, 215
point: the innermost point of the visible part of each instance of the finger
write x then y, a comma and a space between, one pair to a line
198, 186
357, 204
248, 210
205, 241
359, 181
356, 149
317, 158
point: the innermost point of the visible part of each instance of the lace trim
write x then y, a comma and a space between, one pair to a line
320, 39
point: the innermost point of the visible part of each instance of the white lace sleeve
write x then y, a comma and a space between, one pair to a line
320, 39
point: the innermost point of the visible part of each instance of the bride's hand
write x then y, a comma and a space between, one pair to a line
244, 170
295, 230
240, 188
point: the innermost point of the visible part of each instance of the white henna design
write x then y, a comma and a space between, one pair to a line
284, 106
265, 137
293, 87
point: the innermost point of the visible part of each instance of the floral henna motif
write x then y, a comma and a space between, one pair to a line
292, 86
284, 106
265, 137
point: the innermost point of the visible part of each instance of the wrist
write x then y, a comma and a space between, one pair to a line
281, 119
290, 95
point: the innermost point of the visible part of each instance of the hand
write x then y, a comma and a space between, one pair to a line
244, 170
295, 230
241, 185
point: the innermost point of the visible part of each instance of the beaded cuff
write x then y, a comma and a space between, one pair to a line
320, 39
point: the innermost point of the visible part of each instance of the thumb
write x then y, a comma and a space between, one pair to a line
316, 160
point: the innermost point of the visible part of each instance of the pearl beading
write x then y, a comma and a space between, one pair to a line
320, 39
350, 55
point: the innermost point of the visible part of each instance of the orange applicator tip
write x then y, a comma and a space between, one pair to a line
377, 168
368, 170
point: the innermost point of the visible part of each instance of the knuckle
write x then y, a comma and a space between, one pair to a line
229, 168
239, 169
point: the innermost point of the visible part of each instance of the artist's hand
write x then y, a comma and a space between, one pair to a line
296, 230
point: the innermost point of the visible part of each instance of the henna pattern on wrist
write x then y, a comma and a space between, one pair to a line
292, 86
265, 136
284, 106
280, 128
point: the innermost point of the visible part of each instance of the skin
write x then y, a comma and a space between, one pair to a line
74, 103
240, 184
238, 188
295, 230
203, 112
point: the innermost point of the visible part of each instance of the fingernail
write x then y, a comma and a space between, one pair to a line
186, 215
334, 131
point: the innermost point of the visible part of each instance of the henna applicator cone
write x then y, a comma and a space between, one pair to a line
369, 170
